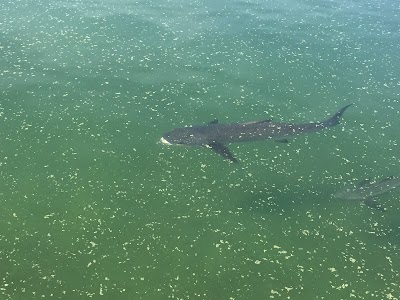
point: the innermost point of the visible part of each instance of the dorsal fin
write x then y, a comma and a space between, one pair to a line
215, 121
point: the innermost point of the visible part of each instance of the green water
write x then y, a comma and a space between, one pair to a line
94, 207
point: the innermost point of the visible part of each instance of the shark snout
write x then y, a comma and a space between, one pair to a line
164, 141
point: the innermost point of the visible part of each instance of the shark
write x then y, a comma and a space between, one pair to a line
367, 190
216, 136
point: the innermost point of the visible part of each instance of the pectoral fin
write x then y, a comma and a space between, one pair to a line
390, 178
373, 204
257, 122
223, 150
364, 182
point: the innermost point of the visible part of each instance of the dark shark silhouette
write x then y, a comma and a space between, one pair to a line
215, 136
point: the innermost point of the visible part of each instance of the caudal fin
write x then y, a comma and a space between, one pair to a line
334, 120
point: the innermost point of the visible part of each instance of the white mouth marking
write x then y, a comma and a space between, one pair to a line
165, 142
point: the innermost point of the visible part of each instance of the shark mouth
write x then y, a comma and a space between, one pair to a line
165, 142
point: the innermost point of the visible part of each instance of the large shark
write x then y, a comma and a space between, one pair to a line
215, 136
367, 190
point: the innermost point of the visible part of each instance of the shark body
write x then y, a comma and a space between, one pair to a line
368, 190
215, 136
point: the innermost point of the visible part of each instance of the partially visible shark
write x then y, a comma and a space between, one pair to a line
215, 136
367, 190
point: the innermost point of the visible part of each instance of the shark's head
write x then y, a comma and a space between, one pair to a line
343, 193
183, 136
351, 192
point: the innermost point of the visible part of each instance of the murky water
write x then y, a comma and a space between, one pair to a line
93, 206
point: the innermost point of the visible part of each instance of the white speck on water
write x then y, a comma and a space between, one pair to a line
332, 270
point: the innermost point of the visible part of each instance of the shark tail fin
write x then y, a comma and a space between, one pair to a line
334, 120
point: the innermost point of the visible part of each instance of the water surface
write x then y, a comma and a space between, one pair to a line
94, 207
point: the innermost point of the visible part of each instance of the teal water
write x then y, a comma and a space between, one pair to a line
94, 207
